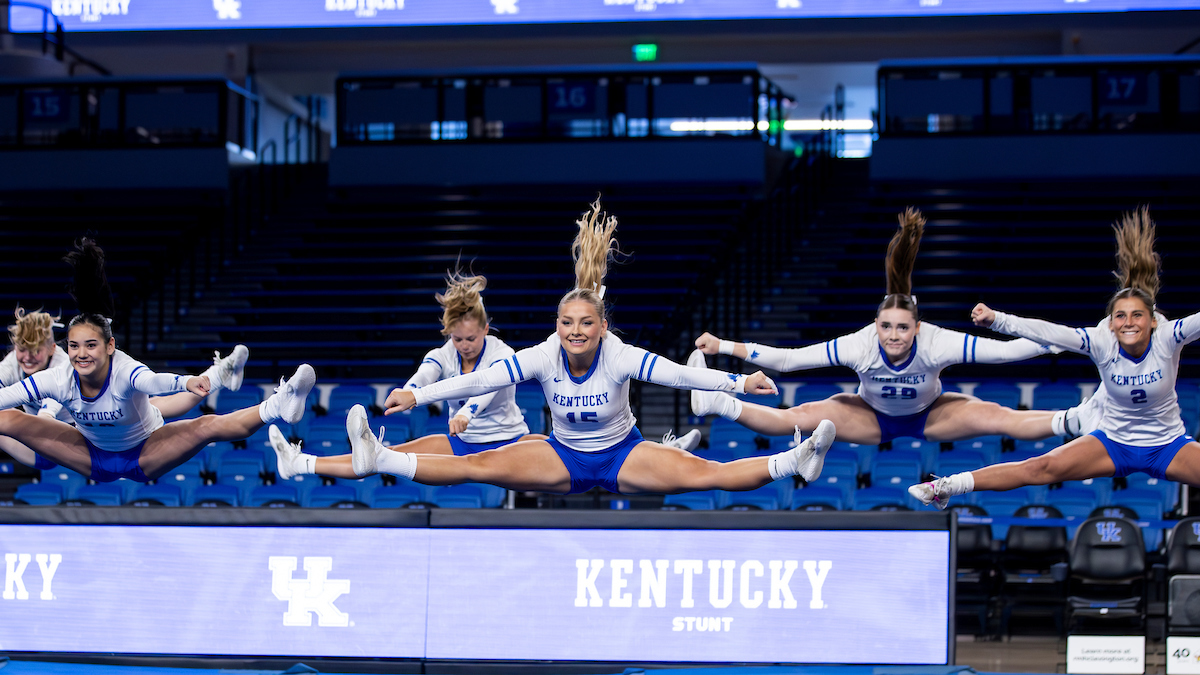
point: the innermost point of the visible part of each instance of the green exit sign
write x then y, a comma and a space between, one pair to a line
646, 52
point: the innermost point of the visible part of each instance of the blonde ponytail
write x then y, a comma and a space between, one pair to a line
462, 300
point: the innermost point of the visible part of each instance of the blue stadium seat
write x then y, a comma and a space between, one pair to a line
532, 404
325, 496
724, 454
1007, 395
865, 454
958, 461
303, 484
883, 499
166, 494
465, 496
1034, 448
691, 501
231, 401
769, 497
128, 488
990, 446
192, 467
216, 495
1101, 487
327, 441
840, 474
1148, 505
898, 468
1007, 503
213, 452
1168, 489
40, 494
241, 475
100, 494
1189, 405
1056, 396
805, 499
254, 457
928, 450
273, 496
67, 481
345, 396
364, 488
186, 482
810, 393
397, 496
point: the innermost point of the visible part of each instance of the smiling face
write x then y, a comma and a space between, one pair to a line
1132, 322
897, 328
89, 351
34, 360
580, 327
468, 337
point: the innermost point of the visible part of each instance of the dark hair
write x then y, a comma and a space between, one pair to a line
901, 258
90, 287
1138, 265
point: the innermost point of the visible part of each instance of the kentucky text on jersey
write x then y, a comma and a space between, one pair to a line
99, 416
1136, 380
589, 401
902, 379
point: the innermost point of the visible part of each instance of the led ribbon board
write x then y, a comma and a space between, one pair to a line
649, 595
104, 15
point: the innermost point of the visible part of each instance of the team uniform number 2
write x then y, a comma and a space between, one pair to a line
903, 392
583, 417
1139, 395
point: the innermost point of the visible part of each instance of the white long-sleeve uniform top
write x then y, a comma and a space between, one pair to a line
116, 419
589, 413
11, 373
896, 389
1142, 407
494, 416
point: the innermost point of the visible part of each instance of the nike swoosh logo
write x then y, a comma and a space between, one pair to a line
557, 380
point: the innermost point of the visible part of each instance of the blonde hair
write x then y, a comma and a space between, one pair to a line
901, 258
593, 248
462, 300
1138, 265
32, 329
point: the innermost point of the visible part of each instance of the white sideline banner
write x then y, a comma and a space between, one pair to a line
1183, 655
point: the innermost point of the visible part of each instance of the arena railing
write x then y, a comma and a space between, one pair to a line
52, 35
584, 103
1040, 96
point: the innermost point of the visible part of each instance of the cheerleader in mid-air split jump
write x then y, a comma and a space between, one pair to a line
585, 371
1137, 353
34, 350
899, 360
117, 432
483, 422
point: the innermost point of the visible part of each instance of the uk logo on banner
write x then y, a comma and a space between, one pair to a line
313, 594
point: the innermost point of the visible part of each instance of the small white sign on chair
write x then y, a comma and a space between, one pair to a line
1103, 654
1183, 655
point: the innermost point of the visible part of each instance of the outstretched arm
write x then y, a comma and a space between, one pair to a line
31, 391
776, 358
648, 367
525, 365
427, 373
151, 383
987, 350
1078, 340
1184, 331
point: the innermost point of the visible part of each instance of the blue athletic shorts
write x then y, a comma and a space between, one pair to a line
462, 447
109, 466
589, 469
906, 426
1152, 459
42, 463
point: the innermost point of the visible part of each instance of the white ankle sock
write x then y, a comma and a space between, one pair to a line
1058, 425
782, 465
730, 407
403, 464
304, 464
268, 410
961, 483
